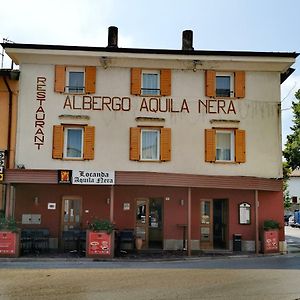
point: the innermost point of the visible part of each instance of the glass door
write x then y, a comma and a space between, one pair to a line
206, 224
71, 211
142, 220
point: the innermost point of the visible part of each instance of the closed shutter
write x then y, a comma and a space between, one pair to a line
58, 142
165, 144
240, 146
239, 84
136, 81
165, 82
90, 80
89, 142
210, 83
135, 136
210, 145
60, 79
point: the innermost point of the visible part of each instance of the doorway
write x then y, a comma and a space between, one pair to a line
213, 223
71, 213
149, 222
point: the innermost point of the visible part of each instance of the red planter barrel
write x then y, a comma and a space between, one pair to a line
99, 244
9, 244
270, 241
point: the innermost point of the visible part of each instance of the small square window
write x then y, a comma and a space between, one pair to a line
150, 83
224, 85
224, 145
73, 143
150, 144
75, 80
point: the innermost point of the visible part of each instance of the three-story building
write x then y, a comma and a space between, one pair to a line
183, 146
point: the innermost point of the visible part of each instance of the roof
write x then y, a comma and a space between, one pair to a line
148, 51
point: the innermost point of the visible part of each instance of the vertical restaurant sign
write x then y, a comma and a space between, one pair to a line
2, 165
40, 115
93, 177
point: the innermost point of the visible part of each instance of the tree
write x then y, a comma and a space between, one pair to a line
286, 176
292, 147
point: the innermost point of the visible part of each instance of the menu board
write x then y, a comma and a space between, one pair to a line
99, 244
8, 242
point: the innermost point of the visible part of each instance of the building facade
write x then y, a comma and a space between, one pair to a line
294, 186
9, 88
182, 146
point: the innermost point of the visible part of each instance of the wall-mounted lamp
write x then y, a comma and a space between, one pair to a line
104, 61
36, 200
167, 198
181, 202
108, 201
195, 64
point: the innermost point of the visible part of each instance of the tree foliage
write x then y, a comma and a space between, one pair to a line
292, 147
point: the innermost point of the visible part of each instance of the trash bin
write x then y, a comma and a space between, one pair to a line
237, 242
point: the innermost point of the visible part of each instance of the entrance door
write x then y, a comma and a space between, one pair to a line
206, 224
220, 223
71, 214
213, 223
149, 223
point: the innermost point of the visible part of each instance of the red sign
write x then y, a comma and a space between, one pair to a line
271, 242
99, 243
8, 242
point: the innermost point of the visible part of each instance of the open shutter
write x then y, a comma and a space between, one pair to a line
136, 81
60, 79
89, 142
165, 82
58, 142
240, 146
239, 84
210, 83
90, 80
165, 144
135, 136
210, 145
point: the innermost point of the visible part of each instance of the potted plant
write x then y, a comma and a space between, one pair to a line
100, 239
9, 237
270, 236
271, 225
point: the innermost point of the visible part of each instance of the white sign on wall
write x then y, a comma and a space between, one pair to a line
93, 177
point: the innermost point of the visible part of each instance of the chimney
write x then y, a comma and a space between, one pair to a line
112, 37
187, 40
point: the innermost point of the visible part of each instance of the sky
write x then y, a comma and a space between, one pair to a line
250, 25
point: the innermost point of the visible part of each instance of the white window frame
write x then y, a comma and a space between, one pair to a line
65, 153
231, 76
156, 72
232, 145
157, 158
74, 69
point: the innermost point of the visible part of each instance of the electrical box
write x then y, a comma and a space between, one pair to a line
31, 219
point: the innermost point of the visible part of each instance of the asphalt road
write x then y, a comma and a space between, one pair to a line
254, 277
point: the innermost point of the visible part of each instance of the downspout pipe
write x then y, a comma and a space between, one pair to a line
9, 125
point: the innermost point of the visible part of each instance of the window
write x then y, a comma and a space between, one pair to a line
150, 82
227, 85
73, 142
75, 80
150, 144
225, 145
224, 85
